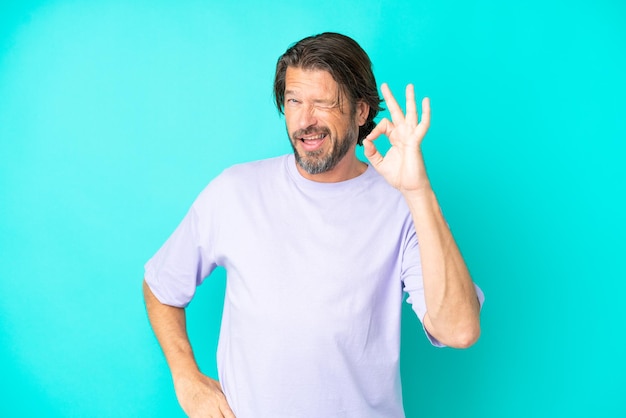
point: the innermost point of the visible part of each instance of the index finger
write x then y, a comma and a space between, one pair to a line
394, 109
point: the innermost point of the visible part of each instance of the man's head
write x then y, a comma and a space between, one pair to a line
340, 63
346, 62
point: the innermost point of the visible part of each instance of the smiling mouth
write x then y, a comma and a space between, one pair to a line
311, 139
313, 143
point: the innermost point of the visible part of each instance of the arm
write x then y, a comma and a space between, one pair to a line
452, 315
198, 395
452, 305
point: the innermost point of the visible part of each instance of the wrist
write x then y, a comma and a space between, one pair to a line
421, 193
184, 369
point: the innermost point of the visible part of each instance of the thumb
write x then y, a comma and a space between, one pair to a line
371, 153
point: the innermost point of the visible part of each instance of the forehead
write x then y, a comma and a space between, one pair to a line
310, 81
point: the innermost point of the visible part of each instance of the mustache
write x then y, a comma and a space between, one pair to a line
310, 131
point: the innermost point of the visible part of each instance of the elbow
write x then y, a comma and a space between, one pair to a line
462, 333
466, 329
465, 337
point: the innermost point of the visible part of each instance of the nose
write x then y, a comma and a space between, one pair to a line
306, 117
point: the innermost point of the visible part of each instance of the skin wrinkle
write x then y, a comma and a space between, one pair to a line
310, 110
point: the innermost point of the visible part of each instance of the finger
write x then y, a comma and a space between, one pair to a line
384, 127
224, 407
411, 107
425, 121
227, 412
394, 108
371, 153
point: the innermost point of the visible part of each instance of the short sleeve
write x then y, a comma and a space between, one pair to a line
413, 281
182, 263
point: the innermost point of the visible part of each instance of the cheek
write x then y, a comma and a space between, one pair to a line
343, 126
289, 124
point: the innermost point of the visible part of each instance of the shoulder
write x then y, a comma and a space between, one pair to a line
253, 169
240, 178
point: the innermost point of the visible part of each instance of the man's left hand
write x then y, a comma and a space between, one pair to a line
403, 164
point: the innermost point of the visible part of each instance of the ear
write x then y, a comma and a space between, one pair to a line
362, 112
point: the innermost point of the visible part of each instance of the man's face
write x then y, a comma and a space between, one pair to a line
322, 129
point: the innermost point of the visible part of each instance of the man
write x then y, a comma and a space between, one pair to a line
319, 248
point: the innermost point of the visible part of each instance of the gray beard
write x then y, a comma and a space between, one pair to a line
315, 162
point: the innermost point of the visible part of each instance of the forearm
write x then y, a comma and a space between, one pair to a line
198, 395
452, 304
170, 328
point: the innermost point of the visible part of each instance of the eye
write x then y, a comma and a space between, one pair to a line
325, 107
292, 101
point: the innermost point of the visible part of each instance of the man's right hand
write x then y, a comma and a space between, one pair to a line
201, 397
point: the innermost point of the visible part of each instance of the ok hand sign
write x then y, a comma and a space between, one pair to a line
403, 164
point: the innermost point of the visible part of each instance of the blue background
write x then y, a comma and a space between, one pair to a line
114, 115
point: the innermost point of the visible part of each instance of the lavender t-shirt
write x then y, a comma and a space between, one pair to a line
316, 274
